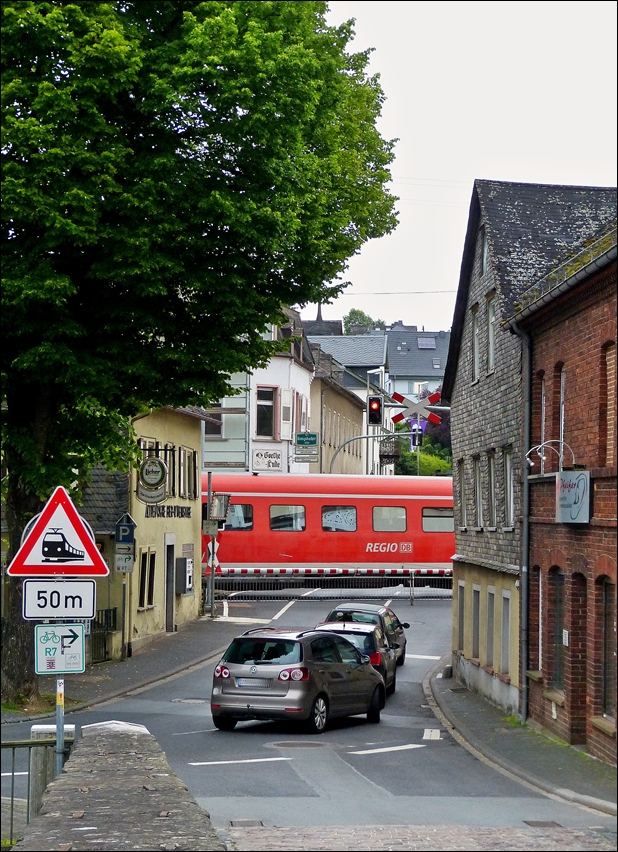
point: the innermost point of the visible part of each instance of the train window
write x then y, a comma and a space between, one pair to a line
339, 518
389, 519
288, 518
438, 519
239, 517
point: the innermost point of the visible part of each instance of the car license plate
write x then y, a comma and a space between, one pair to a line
256, 682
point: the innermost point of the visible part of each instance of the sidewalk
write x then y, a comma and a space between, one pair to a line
483, 729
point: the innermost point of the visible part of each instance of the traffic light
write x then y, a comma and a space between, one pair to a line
375, 410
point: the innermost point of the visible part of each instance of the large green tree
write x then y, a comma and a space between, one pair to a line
173, 173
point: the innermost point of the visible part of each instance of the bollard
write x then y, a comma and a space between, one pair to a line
42, 764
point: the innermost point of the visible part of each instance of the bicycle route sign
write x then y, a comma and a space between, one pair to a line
59, 649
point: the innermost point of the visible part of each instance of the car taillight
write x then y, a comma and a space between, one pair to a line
375, 658
294, 674
222, 671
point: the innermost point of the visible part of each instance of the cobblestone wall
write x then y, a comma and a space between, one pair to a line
118, 792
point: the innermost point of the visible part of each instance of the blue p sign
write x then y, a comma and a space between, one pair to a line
125, 530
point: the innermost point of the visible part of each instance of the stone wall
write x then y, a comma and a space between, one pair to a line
118, 792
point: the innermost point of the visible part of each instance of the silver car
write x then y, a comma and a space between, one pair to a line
309, 675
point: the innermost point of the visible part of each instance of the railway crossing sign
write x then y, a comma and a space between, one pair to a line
418, 409
59, 649
58, 543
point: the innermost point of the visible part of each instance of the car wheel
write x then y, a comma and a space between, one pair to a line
223, 723
373, 714
316, 723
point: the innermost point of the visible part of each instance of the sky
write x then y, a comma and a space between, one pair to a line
513, 91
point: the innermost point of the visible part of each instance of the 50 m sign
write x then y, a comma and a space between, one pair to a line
61, 599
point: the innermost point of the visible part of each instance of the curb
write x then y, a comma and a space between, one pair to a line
148, 681
497, 761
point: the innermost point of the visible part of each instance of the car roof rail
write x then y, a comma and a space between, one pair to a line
258, 630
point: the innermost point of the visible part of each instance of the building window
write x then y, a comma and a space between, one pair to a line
505, 643
476, 344
509, 514
609, 649
213, 424
476, 621
491, 489
562, 408
461, 613
607, 408
491, 332
188, 478
478, 492
461, 476
265, 413
147, 564
542, 414
489, 641
484, 250
558, 631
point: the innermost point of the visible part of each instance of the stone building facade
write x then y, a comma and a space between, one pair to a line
569, 319
516, 233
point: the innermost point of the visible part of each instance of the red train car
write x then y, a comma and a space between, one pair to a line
323, 523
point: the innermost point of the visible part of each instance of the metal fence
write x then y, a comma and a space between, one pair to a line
31, 764
102, 626
331, 584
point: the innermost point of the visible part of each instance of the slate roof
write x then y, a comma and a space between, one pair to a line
531, 228
413, 353
355, 350
105, 499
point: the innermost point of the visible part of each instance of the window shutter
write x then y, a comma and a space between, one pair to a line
286, 414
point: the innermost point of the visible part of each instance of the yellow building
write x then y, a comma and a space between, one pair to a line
162, 590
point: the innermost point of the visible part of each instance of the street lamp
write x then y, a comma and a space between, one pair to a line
548, 445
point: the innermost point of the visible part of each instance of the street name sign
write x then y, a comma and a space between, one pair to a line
306, 439
59, 649
58, 544
65, 599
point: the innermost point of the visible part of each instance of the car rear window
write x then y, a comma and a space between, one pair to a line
351, 615
247, 649
363, 641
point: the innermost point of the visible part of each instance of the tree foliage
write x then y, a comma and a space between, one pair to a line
358, 317
173, 173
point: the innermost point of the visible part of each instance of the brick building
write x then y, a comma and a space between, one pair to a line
516, 234
569, 322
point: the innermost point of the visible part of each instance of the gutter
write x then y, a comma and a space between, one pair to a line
525, 533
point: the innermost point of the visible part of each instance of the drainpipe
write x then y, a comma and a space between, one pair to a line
525, 532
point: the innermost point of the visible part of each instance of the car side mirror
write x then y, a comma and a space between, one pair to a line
365, 659
405, 625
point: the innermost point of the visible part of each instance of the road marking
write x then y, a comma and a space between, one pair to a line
389, 748
432, 734
255, 760
281, 611
8, 774
420, 657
